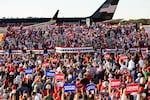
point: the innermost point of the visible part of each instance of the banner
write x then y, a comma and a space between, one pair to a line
74, 49
90, 87
50, 74
112, 51
59, 77
115, 83
28, 51
39, 51
132, 88
29, 71
69, 87
133, 50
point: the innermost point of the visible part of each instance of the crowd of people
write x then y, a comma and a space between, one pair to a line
98, 36
25, 76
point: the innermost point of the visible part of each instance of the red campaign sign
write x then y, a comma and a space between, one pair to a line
115, 83
123, 57
54, 60
59, 77
132, 88
144, 52
107, 56
45, 64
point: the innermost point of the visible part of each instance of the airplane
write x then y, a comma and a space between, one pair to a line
104, 12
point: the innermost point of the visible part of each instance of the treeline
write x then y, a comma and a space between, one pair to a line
143, 21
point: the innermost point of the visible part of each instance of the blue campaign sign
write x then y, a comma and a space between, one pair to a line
69, 87
16, 61
50, 73
90, 87
29, 71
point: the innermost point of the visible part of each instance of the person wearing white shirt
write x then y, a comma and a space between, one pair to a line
124, 97
17, 80
141, 62
131, 64
123, 66
36, 95
139, 78
108, 65
59, 70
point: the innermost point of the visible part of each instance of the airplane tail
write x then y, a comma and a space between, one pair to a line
44, 24
55, 15
105, 12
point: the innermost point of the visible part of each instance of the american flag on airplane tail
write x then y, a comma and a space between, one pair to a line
110, 9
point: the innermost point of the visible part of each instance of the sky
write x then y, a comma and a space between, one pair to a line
127, 9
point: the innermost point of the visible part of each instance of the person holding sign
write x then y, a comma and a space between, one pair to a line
37, 83
48, 93
91, 89
80, 94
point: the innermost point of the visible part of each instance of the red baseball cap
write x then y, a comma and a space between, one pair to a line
5, 81
13, 87
24, 79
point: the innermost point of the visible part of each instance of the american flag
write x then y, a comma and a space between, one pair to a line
110, 9
69, 34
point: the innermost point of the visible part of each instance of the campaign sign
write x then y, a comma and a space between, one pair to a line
59, 77
115, 83
60, 84
90, 87
106, 56
54, 60
29, 71
50, 73
16, 61
69, 88
132, 88
122, 57
45, 64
